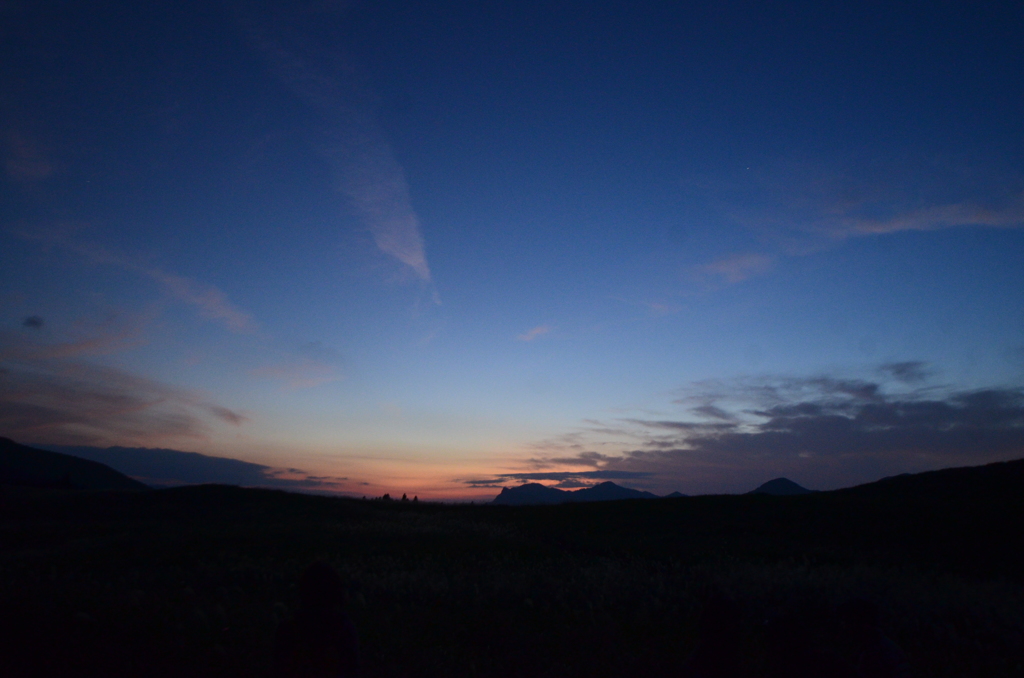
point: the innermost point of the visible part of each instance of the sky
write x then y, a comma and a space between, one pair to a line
444, 248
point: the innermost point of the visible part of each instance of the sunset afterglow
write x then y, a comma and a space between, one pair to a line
441, 249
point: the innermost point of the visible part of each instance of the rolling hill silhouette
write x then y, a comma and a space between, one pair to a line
23, 466
990, 484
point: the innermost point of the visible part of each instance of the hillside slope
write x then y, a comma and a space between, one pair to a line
24, 466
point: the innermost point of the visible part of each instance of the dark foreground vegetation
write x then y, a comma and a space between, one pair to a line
194, 581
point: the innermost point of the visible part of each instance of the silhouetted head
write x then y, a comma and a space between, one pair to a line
721, 617
861, 617
717, 654
321, 587
861, 614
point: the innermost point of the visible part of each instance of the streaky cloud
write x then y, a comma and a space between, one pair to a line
211, 302
48, 393
24, 159
298, 375
562, 476
931, 219
353, 143
806, 214
737, 268
909, 372
533, 333
713, 412
589, 458
225, 414
311, 364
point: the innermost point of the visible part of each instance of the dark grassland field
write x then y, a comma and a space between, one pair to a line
194, 581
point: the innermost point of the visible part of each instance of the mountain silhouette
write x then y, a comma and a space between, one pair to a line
23, 466
537, 494
530, 493
780, 487
608, 491
159, 467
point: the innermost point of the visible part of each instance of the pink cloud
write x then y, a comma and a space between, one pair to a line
532, 334
740, 267
49, 395
211, 302
298, 375
933, 219
24, 160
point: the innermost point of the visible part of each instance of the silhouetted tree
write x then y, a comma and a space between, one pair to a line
404, 498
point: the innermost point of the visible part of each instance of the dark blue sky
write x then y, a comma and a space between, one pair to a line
436, 246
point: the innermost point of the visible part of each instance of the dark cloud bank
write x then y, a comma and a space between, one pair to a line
823, 432
564, 479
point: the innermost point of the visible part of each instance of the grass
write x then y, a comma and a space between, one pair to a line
193, 581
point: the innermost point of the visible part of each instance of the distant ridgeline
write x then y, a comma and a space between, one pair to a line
22, 466
537, 494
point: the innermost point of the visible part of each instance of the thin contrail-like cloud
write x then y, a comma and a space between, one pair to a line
358, 151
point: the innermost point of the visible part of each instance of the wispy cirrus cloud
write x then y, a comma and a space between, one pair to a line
1010, 215
298, 375
533, 333
737, 268
210, 302
352, 141
659, 308
311, 364
796, 211
50, 393
24, 159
